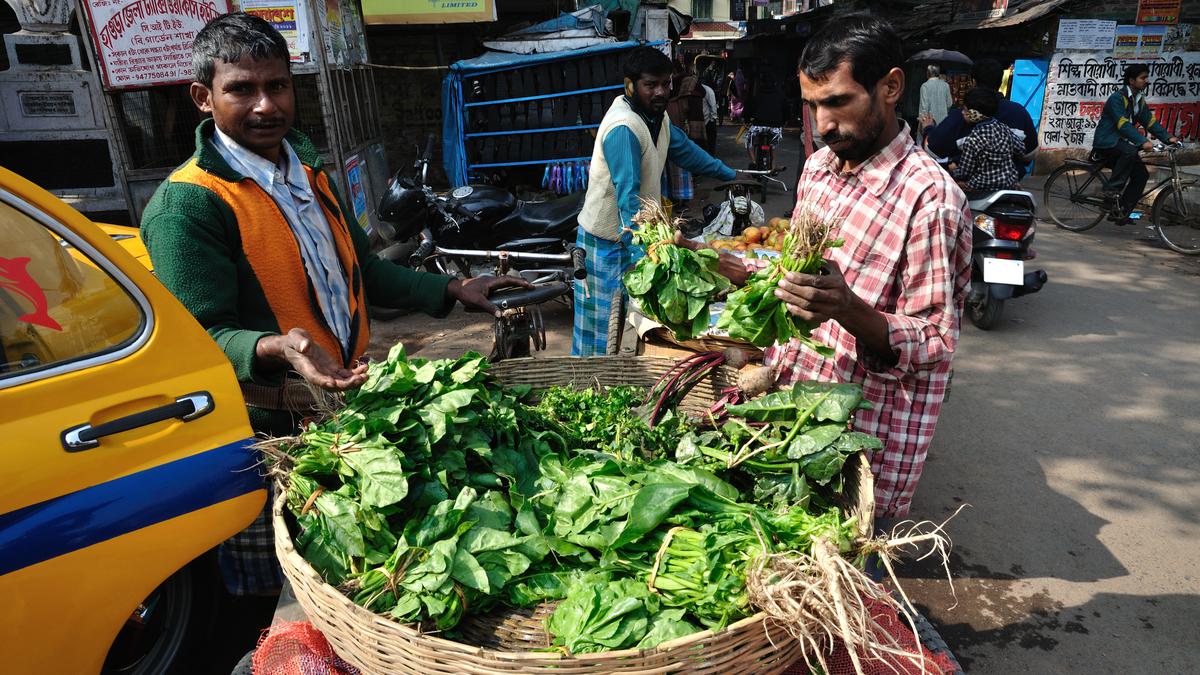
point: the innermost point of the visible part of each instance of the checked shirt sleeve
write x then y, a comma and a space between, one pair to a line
923, 329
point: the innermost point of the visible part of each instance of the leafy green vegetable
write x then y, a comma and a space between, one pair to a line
435, 492
754, 314
672, 285
596, 617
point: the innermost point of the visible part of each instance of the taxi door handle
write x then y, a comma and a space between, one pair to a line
185, 408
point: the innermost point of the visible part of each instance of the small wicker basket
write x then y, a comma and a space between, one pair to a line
509, 642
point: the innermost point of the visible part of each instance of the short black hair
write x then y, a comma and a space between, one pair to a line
869, 44
987, 73
1133, 70
642, 61
229, 37
982, 99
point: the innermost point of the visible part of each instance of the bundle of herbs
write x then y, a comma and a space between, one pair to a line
671, 284
753, 313
435, 492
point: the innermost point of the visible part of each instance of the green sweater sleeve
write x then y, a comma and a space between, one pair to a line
192, 239
390, 285
1114, 108
1150, 121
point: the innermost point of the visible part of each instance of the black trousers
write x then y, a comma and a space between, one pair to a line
710, 138
1127, 166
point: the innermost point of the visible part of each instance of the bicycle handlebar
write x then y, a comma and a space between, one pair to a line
769, 173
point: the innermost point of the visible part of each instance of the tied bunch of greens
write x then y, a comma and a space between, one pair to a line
789, 446
754, 314
435, 493
671, 284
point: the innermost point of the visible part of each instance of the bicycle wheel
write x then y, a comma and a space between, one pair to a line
1177, 218
1074, 197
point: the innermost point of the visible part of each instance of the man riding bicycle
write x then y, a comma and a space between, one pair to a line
1118, 141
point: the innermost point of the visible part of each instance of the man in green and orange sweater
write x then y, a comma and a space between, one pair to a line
253, 239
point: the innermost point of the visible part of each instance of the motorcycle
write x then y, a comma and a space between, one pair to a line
1002, 232
738, 211
476, 230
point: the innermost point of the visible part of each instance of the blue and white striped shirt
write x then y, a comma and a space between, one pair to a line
287, 184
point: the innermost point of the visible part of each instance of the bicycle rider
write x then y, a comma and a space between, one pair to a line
768, 113
1117, 141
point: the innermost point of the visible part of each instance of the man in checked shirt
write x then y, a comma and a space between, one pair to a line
892, 295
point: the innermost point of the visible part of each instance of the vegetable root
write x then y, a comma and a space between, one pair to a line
821, 595
755, 380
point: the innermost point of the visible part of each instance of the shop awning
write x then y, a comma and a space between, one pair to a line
928, 17
586, 27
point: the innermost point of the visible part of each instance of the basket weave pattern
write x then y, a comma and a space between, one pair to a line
507, 641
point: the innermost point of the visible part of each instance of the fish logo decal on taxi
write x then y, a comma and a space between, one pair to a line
14, 277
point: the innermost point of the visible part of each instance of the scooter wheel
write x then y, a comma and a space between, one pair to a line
986, 314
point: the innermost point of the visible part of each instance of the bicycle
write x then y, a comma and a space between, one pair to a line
1075, 200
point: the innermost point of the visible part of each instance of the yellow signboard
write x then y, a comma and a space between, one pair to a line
377, 12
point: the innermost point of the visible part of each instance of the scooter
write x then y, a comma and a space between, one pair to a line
535, 240
1002, 233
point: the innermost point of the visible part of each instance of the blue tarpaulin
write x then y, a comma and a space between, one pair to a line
454, 150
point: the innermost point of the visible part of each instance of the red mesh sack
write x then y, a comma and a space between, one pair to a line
296, 648
890, 623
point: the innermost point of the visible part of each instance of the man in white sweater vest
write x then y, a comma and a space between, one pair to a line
633, 144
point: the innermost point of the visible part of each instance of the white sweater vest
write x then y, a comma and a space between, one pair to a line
600, 217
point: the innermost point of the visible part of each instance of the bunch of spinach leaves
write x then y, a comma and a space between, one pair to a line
753, 313
671, 284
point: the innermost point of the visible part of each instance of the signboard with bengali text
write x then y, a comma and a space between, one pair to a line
1078, 84
1086, 34
141, 43
1158, 12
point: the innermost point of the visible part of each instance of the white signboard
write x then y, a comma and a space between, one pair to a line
1078, 84
148, 42
1089, 34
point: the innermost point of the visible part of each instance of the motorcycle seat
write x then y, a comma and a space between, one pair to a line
554, 218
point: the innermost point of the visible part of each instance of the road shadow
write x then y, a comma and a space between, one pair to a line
1071, 430
1109, 633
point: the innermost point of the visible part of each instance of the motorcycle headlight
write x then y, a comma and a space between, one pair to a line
986, 223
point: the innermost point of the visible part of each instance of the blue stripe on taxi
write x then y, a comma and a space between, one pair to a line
64, 524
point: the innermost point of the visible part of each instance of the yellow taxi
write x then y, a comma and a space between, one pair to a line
124, 447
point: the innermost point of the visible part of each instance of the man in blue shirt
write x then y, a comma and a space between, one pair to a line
943, 138
1117, 139
633, 144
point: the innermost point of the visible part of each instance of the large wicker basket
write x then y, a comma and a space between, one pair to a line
508, 643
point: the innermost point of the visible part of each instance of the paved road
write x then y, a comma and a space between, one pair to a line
1072, 431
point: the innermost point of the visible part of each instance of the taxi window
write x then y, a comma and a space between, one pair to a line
56, 304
